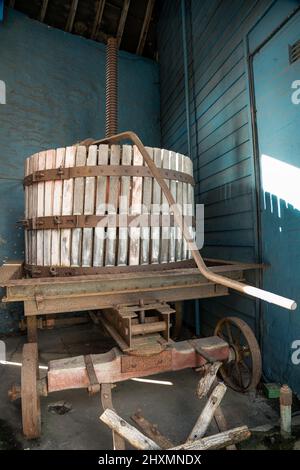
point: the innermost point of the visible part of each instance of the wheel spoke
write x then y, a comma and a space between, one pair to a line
229, 332
239, 374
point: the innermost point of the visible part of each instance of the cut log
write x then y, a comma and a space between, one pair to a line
217, 441
205, 383
130, 433
208, 412
151, 431
222, 424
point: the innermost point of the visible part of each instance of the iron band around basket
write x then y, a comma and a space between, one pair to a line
64, 173
61, 271
109, 220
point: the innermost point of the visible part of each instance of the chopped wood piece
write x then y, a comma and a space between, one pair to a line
208, 379
217, 441
151, 431
222, 424
208, 412
124, 429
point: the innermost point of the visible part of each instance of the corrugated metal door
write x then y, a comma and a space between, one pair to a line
276, 69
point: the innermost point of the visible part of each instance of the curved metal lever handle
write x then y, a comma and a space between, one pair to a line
204, 270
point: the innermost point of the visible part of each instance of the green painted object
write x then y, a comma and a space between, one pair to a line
272, 390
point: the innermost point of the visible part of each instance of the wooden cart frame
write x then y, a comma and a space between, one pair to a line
96, 373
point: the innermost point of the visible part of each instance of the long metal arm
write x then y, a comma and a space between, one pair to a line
217, 278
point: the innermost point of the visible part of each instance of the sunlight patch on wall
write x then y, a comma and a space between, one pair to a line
282, 180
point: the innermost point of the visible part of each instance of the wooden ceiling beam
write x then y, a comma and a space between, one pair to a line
98, 18
43, 10
122, 21
71, 17
145, 27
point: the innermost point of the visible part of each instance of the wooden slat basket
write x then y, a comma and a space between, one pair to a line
77, 200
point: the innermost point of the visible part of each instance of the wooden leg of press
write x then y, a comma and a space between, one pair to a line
32, 329
106, 400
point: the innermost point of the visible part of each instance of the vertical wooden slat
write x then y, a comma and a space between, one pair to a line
40, 211
101, 198
136, 201
124, 207
67, 207
146, 209
27, 207
33, 212
173, 189
89, 208
156, 202
57, 208
190, 198
49, 186
165, 232
78, 208
113, 196
179, 236
185, 204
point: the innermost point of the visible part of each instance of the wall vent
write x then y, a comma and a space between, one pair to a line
294, 52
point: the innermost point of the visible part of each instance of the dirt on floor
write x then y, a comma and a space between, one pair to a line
70, 419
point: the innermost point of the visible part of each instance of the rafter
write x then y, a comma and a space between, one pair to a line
145, 27
43, 10
122, 21
98, 18
71, 16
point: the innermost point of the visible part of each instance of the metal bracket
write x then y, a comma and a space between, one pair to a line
39, 301
106, 400
94, 386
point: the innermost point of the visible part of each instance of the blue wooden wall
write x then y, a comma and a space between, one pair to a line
55, 87
219, 33
221, 146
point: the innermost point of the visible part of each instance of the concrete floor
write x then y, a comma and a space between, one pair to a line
173, 407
